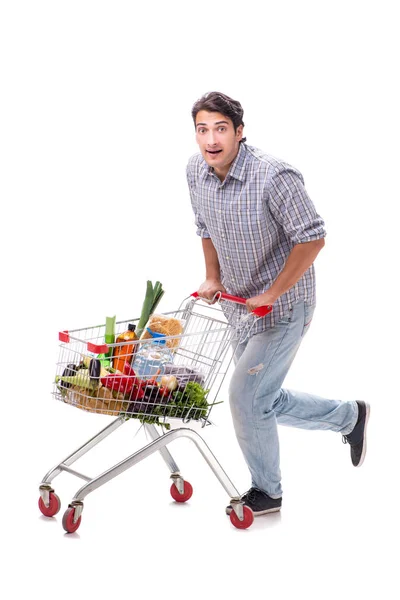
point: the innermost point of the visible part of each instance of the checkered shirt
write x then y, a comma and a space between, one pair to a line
254, 218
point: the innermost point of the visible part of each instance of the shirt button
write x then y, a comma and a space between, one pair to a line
227, 257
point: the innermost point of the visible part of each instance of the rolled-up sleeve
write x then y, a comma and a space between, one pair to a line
201, 227
293, 209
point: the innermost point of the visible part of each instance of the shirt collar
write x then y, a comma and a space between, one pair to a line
238, 167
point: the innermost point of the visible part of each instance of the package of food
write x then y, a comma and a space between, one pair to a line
183, 375
165, 325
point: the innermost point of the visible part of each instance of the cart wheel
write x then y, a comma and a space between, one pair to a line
53, 507
187, 492
68, 520
248, 518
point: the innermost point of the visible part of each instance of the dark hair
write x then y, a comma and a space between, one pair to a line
217, 102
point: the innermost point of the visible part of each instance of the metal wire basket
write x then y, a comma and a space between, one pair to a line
195, 366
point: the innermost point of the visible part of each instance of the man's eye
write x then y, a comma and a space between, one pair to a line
222, 129
201, 130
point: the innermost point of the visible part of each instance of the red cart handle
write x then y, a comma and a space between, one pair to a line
261, 311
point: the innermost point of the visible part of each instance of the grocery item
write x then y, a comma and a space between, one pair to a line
123, 354
170, 382
190, 403
118, 383
128, 370
184, 375
149, 399
89, 362
163, 325
94, 369
109, 336
151, 301
103, 403
151, 357
81, 380
69, 371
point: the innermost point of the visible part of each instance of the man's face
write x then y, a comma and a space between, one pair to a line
217, 139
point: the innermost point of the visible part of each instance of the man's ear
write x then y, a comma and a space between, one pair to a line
239, 133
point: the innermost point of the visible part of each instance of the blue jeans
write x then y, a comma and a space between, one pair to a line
258, 401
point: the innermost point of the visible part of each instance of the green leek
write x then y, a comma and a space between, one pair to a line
151, 301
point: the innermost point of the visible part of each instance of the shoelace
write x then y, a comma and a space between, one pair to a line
250, 495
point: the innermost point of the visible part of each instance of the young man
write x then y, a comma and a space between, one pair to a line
260, 235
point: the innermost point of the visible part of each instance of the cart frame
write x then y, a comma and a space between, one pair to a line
241, 516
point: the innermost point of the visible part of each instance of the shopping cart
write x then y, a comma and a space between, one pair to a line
200, 362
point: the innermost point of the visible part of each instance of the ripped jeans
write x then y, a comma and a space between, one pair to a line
258, 402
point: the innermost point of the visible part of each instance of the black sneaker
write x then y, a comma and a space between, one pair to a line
259, 502
358, 437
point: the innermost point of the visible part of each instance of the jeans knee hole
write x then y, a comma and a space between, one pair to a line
255, 370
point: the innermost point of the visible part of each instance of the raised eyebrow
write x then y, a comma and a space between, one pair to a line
216, 123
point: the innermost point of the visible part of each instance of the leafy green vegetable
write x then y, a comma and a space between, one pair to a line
191, 404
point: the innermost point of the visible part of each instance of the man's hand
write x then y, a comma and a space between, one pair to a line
265, 299
209, 288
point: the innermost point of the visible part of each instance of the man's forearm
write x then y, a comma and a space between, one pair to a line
211, 260
299, 260
212, 284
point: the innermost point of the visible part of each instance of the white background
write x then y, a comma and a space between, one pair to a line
96, 131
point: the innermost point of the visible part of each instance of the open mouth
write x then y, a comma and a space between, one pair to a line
213, 152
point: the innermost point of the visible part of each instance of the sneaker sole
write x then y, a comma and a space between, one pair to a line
229, 509
364, 450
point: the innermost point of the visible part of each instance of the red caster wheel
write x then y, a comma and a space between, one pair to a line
68, 520
187, 492
53, 507
248, 518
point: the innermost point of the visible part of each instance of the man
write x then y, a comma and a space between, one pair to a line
260, 236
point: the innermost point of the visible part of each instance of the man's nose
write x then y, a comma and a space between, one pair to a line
211, 139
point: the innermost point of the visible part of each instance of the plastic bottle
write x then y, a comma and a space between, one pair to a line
151, 358
124, 353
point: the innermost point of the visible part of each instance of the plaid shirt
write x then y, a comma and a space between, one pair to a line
255, 217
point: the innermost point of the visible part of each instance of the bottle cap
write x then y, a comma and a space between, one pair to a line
131, 327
